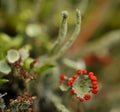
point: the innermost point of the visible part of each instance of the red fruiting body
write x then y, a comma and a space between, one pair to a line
70, 82
79, 72
94, 91
81, 99
94, 86
74, 76
93, 78
72, 91
91, 73
94, 82
62, 76
84, 71
87, 96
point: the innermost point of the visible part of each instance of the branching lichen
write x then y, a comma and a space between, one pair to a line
62, 33
67, 45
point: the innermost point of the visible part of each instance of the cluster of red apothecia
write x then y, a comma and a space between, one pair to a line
24, 101
21, 103
24, 74
72, 80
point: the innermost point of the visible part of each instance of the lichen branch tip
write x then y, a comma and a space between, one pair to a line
65, 14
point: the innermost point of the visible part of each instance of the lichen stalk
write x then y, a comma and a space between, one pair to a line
62, 33
72, 38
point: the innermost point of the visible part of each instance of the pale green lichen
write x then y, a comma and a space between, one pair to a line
4, 67
62, 33
70, 41
13, 56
